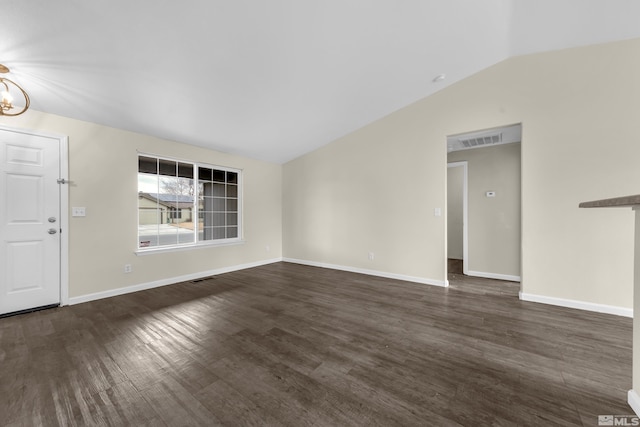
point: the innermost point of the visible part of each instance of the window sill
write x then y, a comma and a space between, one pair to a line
164, 249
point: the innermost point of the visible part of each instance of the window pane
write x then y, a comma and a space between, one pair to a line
207, 189
232, 205
232, 191
207, 204
232, 219
207, 219
176, 190
148, 220
218, 190
205, 174
232, 177
218, 219
148, 209
148, 238
214, 233
185, 170
218, 205
207, 233
185, 188
147, 165
218, 233
232, 232
218, 176
147, 183
166, 211
167, 167
168, 236
201, 226
185, 238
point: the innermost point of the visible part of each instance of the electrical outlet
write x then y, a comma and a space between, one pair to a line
127, 268
371, 256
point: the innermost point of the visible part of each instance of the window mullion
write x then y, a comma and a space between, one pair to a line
196, 208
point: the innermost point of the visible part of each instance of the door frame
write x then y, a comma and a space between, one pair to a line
465, 213
63, 174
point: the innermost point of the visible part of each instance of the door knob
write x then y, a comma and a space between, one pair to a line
52, 231
52, 219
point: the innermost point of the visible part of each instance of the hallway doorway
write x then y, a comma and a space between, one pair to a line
484, 215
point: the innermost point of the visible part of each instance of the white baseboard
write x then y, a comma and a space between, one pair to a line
443, 283
493, 276
580, 305
634, 401
167, 281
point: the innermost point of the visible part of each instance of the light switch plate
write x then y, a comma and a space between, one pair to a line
78, 211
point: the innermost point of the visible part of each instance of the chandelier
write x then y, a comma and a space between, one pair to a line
6, 103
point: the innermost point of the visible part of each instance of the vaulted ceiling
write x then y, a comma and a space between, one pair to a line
274, 79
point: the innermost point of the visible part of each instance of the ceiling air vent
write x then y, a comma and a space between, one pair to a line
482, 140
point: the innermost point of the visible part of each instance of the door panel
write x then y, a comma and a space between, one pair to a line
29, 221
20, 257
27, 210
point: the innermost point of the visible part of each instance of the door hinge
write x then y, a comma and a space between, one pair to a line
62, 181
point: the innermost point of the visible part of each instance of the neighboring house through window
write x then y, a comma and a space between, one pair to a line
186, 204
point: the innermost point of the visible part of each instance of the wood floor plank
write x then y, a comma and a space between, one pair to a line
232, 407
292, 345
257, 383
176, 406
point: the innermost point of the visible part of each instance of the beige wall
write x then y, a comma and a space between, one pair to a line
455, 212
376, 189
494, 222
103, 172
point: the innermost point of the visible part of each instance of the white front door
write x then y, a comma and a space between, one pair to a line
29, 221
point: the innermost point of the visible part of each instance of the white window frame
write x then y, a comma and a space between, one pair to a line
196, 216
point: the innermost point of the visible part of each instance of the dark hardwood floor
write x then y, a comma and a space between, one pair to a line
286, 344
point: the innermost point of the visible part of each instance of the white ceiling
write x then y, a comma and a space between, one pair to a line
274, 79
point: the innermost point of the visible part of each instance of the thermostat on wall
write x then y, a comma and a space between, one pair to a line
490, 194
